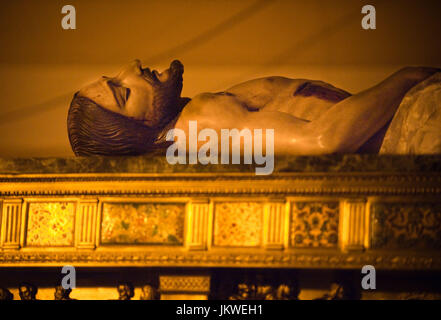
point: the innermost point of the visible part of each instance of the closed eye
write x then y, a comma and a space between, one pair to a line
127, 93
120, 93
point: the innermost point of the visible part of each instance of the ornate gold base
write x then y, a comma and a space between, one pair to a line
339, 212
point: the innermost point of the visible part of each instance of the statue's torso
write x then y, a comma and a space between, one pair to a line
275, 94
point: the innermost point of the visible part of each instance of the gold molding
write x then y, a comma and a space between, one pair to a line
281, 184
145, 258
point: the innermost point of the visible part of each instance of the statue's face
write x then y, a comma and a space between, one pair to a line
243, 289
61, 293
134, 90
284, 290
124, 291
25, 293
147, 292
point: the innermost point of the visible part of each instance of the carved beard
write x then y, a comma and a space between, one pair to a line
166, 101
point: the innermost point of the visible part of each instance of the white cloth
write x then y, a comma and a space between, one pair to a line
416, 126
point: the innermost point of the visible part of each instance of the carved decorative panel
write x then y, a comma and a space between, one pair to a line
354, 225
184, 283
274, 226
314, 224
198, 225
87, 218
406, 225
143, 223
183, 287
238, 224
11, 224
50, 224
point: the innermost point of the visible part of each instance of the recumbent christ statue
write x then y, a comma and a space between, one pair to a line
131, 113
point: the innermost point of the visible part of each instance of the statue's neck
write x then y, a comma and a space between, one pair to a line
183, 102
160, 143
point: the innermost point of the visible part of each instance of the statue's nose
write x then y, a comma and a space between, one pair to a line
137, 64
133, 67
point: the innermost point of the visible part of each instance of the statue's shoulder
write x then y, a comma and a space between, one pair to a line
207, 101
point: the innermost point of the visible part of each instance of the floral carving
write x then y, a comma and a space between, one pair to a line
406, 225
314, 224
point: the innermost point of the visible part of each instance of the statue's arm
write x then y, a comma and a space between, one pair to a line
226, 112
341, 129
351, 122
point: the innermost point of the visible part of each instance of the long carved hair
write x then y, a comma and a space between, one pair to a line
94, 130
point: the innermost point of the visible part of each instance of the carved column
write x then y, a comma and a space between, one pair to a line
11, 224
354, 232
198, 224
87, 224
274, 224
